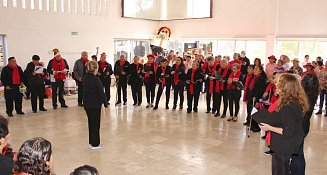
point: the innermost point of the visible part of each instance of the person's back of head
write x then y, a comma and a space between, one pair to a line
85, 170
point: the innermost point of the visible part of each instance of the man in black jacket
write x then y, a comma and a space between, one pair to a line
194, 80
104, 73
58, 67
245, 64
12, 78
121, 71
36, 74
163, 77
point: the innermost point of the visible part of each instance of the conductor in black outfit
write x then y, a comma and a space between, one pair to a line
93, 97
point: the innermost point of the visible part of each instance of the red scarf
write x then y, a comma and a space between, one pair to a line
102, 65
221, 86
211, 83
176, 80
251, 84
15, 74
84, 62
137, 67
247, 81
234, 77
163, 71
192, 81
155, 66
122, 63
55, 67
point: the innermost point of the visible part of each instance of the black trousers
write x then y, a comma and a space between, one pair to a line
298, 163
37, 91
159, 93
179, 91
214, 97
137, 93
249, 107
122, 87
106, 87
58, 86
80, 92
223, 94
306, 119
323, 97
10, 104
195, 96
281, 164
234, 97
150, 88
94, 118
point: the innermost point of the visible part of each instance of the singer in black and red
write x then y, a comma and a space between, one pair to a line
121, 71
150, 69
224, 72
163, 76
234, 92
209, 72
178, 73
136, 81
194, 80
104, 73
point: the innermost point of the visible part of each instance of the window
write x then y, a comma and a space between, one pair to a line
290, 48
5, 3
131, 48
226, 47
40, 5
55, 5
240, 46
32, 5
256, 49
198, 8
62, 4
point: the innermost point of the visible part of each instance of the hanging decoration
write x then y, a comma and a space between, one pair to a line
163, 34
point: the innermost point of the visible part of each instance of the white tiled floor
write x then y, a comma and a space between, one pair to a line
137, 140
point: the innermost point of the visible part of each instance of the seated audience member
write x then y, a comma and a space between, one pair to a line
309, 69
279, 68
286, 62
34, 158
85, 170
296, 68
320, 63
6, 155
270, 67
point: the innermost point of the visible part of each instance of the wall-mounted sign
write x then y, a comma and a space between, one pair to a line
74, 33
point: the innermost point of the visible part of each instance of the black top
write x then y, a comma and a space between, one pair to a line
225, 78
93, 95
147, 68
36, 79
6, 80
6, 165
119, 69
198, 75
181, 74
210, 73
50, 69
290, 118
258, 88
103, 73
245, 65
160, 75
136, 77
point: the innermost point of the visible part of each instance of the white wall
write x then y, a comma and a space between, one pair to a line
231, 19
38, 32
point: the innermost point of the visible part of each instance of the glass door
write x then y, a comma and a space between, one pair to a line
131, 48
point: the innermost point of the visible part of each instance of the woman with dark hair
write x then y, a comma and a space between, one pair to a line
34, 157
255, 90
178, 73
94, 97
285, 124
6, 154
257, 62
85, 170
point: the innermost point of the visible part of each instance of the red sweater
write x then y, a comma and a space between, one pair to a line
234, 77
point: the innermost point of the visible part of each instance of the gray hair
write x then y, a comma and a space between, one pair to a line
225, 60
91, 66
84, 52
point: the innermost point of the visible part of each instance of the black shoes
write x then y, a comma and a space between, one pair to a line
269, 152
207, 112
80, 104
43, 109
10, 115
188, 111
246, 124
20, 113
325, 115
217, 115
64, 106
124, 103
34, 111
174, 108
134, 104
118, 103
223, 116
195, 110
319, 112
167, 107
55, 107
255, 129
155, 108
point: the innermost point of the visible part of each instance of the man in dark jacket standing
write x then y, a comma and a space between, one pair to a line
245, 64
121, 71
58, 67
79, 71
12, 78
104, 73
36, 74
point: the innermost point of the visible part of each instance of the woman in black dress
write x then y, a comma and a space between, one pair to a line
94, 97
136, 81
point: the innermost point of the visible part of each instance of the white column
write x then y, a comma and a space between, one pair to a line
79, 7
91, 12
272, 28
86, 7
28, 4
36, 5
59, 9
66, 8
98, 7
19, 4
